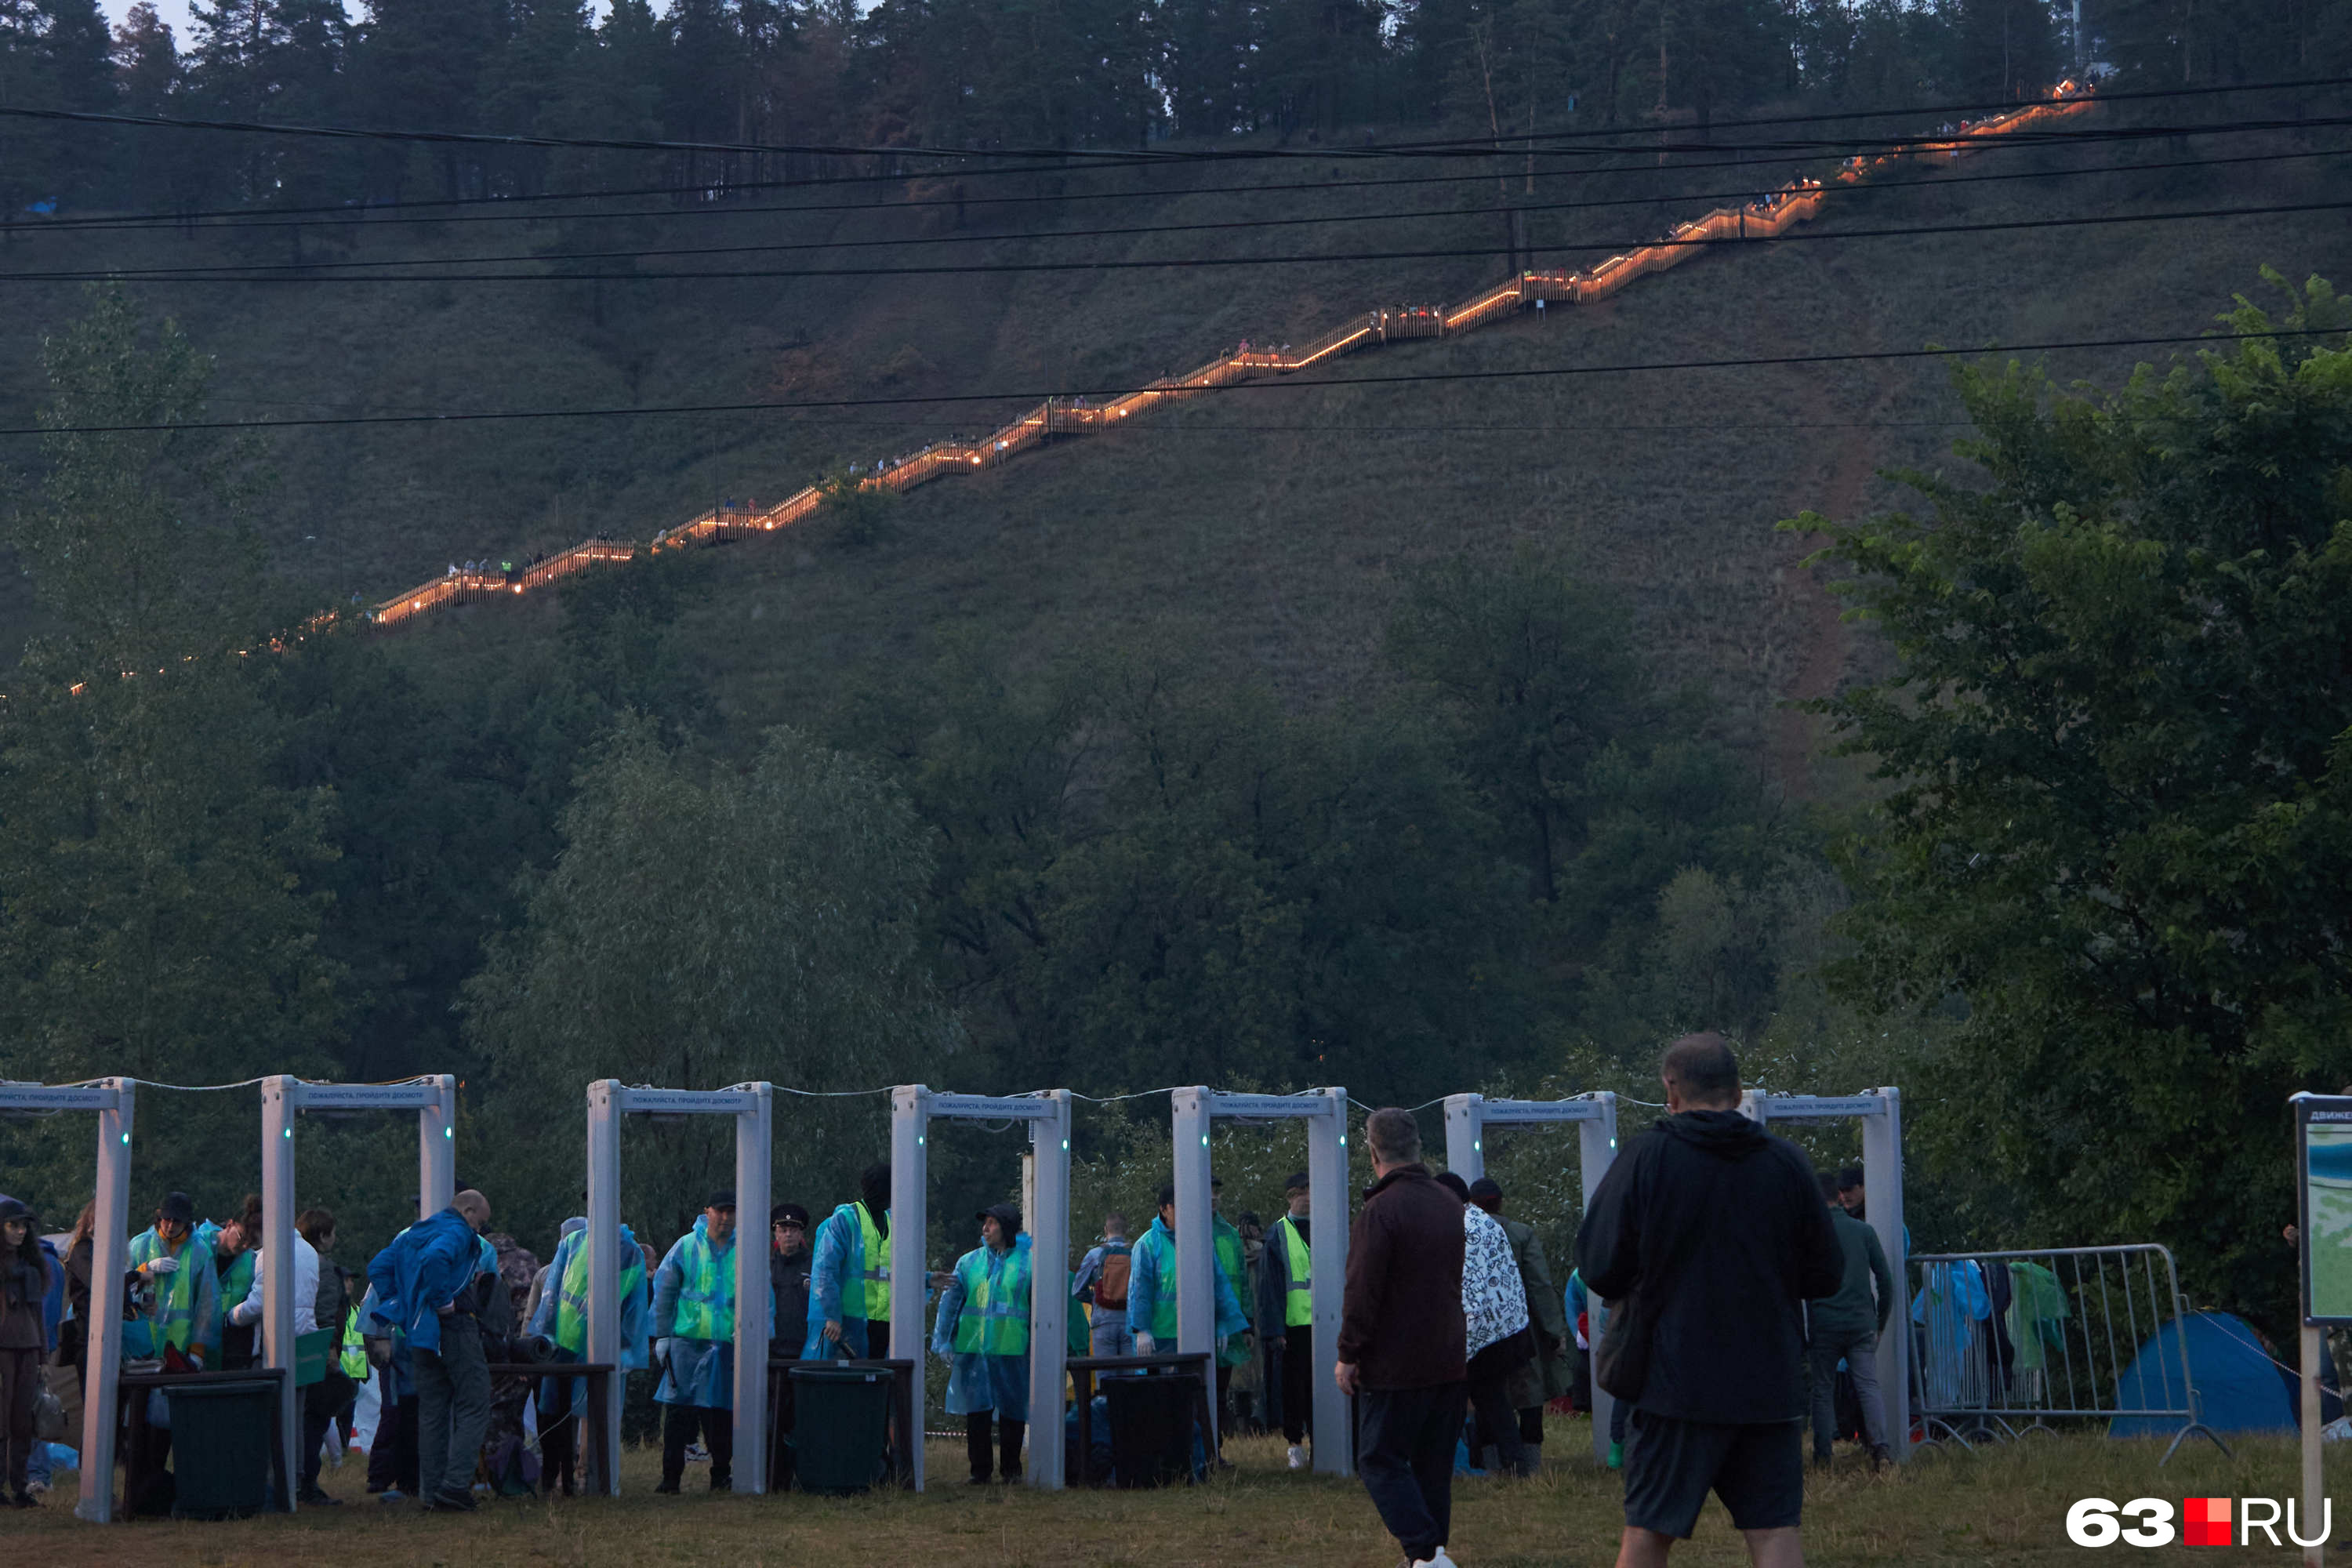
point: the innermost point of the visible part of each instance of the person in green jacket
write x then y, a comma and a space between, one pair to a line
1151, 1291
1845, 1327
1233, 1262
231, 1246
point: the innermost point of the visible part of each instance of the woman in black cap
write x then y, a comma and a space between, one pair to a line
23, 1285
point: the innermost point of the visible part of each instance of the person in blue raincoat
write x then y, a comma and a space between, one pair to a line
982, 1333
429, 1285
849, 1280
1152, 1288
694, 1318
562, 1317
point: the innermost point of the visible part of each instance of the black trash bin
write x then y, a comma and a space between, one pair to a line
841, 1427
222, 1435
1150, 1419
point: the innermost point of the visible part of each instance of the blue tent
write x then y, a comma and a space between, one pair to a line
2239, 1387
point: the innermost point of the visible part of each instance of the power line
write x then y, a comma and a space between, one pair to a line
376, 211
1481, 148
1140, 230
1857, 356
344, 214
1490, 146
316, 273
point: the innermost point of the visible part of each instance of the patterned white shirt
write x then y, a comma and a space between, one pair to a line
1493, 1301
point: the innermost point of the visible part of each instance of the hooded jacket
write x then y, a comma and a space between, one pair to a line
422, 1271
1721, 1229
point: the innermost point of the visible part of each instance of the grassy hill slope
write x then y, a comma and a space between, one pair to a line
1270, 522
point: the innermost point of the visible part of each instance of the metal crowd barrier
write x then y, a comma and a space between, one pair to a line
2005, 1344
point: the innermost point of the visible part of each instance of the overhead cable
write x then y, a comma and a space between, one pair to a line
1856, 356
1490, 146
1223, 226
1483, 149
320, 272
379, 213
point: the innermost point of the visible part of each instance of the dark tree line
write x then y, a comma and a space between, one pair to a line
998, 73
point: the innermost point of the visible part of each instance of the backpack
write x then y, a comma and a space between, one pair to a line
1111, 1286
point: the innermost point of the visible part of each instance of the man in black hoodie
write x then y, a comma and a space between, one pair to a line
1708, 1235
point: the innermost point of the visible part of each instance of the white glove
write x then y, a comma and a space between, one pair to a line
1145, 1344
661, 1352
164, 1266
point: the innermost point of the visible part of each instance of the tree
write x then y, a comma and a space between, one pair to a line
706, 925
1539, 670
156, 913
2119, 751
54, 54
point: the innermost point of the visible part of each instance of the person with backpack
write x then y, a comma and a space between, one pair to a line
1101, 1285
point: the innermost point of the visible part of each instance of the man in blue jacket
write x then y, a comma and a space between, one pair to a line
431, 1283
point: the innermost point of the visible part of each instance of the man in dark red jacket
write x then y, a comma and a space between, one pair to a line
1708, 1234
1402, 1338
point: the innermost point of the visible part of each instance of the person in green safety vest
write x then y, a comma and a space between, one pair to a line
982, 1333
694, 1318
1289, 1298
562, 1317
1151, 1289
849, 1281
185, 1315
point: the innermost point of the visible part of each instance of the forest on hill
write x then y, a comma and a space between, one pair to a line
1414, 737
1000, 75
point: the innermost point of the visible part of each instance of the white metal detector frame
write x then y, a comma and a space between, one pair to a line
112, 1097
913, 1109
283, 1097
1467, 1117
753, 1105
1880, 1111
1325, 1112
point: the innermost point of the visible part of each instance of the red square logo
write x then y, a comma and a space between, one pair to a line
2205, 1521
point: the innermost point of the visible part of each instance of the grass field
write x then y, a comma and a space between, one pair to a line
1993, 1509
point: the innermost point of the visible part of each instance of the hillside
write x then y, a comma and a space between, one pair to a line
1269, 523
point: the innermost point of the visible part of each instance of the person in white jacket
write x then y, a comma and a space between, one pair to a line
306, 1289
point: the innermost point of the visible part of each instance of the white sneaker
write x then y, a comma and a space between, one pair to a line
1297, 1456
1439, 1560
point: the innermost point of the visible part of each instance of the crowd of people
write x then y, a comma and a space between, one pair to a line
1740, 1286
1735, 1276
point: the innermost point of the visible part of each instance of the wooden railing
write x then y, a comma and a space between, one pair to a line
1799, 200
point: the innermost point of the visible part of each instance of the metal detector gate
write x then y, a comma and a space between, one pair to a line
913, 1108
283, 1098
1880, 1111
752, 1107
1325, 1112
109, 1255
1467, 1117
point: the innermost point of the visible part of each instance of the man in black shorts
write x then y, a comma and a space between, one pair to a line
1707, 1237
